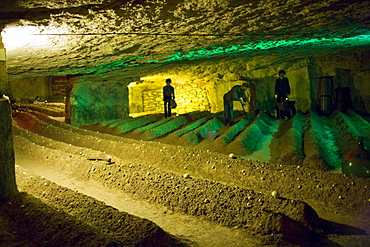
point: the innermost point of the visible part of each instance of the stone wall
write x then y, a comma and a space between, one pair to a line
147, 97
7, 161
4, 85
51, 88
95, 102
352, 71
8, 185
189, 98
26, 90
217, 77
200, 86
58, 86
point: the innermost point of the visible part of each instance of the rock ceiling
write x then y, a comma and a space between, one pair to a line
111, 38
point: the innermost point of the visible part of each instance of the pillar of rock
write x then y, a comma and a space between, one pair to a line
8, 184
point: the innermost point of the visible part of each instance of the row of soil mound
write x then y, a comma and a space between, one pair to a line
308, 139
231, 192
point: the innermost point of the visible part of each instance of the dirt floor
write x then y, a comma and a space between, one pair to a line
85, 188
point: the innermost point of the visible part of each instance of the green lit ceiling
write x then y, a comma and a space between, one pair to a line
130, 37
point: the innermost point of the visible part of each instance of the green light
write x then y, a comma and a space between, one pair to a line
328, 147
261, 47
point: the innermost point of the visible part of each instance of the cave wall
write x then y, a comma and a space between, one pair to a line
7, 159
98, 101
261, 72
213, 79
351, 70
26, 90
93, 102
147, 96
4, 85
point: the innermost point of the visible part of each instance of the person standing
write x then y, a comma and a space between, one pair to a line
282, 92
168, 95
236, 93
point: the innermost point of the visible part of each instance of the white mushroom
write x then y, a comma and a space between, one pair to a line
275, 194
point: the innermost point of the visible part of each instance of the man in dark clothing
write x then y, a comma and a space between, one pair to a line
237, 93
168, 95
282, 91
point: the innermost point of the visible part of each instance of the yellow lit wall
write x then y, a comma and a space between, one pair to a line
147, 96
26, 90
4, 87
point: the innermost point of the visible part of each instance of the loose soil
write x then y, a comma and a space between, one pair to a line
85, 188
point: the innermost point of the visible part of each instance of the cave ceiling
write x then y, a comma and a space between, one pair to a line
118, 38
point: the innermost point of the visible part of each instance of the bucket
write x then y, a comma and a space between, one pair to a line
211, 135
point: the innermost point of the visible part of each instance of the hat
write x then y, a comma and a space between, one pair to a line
245, 85
281, 72
168, 80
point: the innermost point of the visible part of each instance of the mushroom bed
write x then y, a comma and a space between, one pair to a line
270, 203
